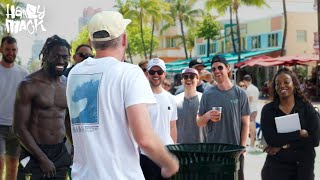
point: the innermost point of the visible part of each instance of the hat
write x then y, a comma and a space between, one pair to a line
247, 77
218, 58
156, 62
190, 71
111, 22
196, 62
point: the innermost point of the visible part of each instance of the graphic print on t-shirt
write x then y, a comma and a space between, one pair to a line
84, 98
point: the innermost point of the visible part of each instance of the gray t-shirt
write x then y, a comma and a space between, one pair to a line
234, 103
187, 129
9, 81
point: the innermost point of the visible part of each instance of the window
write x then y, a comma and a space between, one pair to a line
273, 40
171, 42
222, 47
256, 42
212, 48
202, 49
301, 36
243, 43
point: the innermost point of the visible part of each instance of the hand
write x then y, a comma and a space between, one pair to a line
272, 150
172, 169
304, 133
48, 168
206, 76
215, 116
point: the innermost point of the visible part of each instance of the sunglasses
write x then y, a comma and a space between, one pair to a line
168, 85
144, 69
84, 55
153, 72
188, 76
220, 68
242, 85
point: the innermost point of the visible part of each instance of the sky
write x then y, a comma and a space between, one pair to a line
61, 17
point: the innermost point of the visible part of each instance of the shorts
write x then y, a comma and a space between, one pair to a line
9, 143
253, 116
151, 170
57, 153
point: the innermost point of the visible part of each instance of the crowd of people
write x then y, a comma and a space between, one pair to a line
119, 117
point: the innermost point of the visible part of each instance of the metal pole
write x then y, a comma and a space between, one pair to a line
317, 68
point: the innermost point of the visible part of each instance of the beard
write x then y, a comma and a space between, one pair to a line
8, 60
51, 69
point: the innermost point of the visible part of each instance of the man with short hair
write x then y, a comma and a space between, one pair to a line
107, 101
163, 116
253, 95
40, 116
232, 126
202, 86
83, 51
188, 105
11, 74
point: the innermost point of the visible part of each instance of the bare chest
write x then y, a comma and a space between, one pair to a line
51, 96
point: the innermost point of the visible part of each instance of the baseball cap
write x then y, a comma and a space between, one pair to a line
111, 22
196, 62
190, 71
156, 62
218, 58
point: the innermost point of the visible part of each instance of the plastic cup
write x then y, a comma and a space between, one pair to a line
218, 110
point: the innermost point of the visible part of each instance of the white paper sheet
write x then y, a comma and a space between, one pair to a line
288, 123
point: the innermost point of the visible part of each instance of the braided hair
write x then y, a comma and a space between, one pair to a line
50, 43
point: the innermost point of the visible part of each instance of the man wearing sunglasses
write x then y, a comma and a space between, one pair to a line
83, 51
233, 126
188, 105
202, 86
163, 115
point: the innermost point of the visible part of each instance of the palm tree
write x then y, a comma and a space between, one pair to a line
222, 5
184, 12
158, 14
284, 37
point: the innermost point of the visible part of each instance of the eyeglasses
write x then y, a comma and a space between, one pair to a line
84, 55
144, 69
153, 72
220, 68
188, 76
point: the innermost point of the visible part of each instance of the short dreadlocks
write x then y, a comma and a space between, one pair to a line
50, 43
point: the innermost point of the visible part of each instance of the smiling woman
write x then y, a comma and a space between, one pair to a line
293, 151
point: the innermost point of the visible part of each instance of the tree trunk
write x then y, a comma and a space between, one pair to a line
183, 39
285, 28
190, 54
141, 32
129, 52
151, 42
231, 31
239, 36
208, 47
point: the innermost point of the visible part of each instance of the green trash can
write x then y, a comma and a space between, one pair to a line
204, 161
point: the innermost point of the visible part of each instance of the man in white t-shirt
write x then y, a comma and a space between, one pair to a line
107, 101
253, 95
163, 116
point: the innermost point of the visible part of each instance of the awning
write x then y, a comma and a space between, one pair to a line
232, 58
283, 60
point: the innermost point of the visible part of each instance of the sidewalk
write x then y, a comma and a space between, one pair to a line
254, 161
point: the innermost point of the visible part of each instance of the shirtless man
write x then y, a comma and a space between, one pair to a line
39, 117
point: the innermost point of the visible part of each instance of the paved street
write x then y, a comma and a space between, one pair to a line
255, 161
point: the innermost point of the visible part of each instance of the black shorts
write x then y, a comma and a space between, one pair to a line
57, 153
151, 170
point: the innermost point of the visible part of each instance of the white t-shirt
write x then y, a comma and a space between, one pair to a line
162, 113
98, 92
253, 91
